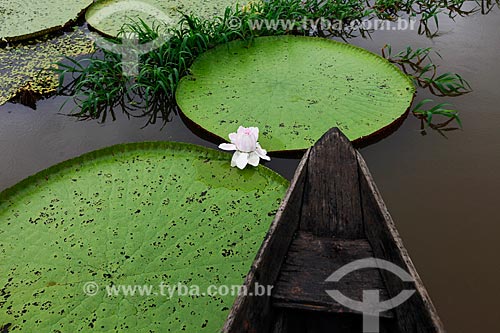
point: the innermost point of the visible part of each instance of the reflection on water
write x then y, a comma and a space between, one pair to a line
488, 5
31, 141
441, 192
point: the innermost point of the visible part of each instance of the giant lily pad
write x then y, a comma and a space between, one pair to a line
20, 19
134, 214
28, 66
108, 16
294, 89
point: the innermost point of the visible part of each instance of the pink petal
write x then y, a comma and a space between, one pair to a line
245, 143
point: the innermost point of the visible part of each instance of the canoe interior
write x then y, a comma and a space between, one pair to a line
331, 215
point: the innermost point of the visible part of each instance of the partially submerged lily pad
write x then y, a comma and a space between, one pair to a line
20, 19
294, 89
133, 214
28, 66
108, 16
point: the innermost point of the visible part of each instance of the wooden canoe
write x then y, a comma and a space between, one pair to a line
331, 215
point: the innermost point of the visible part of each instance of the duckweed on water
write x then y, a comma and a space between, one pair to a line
28, 66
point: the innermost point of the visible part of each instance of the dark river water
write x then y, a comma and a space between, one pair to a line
442, 193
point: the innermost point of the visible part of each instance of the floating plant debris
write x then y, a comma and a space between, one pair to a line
28, 67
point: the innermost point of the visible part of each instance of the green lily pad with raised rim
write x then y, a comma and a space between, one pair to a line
108, 16
294, 89
132, 214
21, 19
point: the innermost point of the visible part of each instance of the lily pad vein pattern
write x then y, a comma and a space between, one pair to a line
294, 89
134, 214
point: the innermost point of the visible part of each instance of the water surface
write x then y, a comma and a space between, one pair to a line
442, 193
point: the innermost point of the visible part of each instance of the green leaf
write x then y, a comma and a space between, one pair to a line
21, 19
108, 16
417, 108
294, 89
133, 214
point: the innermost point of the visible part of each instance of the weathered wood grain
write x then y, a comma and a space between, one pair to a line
332, 204
254, 314
311, 260
296, 321
332, 215
417, 315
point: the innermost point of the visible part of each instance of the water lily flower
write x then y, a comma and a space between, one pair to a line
248, 149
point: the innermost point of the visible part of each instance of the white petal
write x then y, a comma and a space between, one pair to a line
265, 157
227, 146
233, 160
239, 159
241, 130
232, 137
262, 153
253, 159
255, 132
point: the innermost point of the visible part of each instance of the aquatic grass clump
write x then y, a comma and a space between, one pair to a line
153, 12
426, 117
99, 87
418, 65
